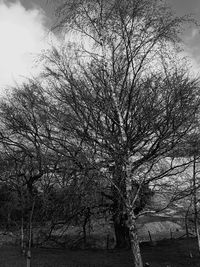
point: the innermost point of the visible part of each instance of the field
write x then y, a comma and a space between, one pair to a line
167, 253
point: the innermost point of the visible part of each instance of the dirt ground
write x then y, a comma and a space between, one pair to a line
169, 253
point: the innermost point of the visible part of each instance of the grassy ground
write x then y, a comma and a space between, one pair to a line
169, 253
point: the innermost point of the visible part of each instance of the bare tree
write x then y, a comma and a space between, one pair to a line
21, 142
34, 150
130, 131
129, 101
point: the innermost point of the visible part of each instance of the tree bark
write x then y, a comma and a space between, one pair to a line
131, 197
195, 203
22, 235
135, 245
119, 215
28, 261
121, 232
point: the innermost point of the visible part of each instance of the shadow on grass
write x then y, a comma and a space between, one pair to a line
166, 253
50, 265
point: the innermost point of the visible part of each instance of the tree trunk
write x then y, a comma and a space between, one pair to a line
119, 215
121, 233
135, 245
132, 194
28, 259
195, 203
198, 236
22, 235
186, 222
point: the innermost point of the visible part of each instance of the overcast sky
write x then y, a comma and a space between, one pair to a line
24, 28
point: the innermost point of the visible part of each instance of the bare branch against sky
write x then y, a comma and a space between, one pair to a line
25, 25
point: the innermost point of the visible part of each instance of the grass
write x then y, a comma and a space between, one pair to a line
169, 253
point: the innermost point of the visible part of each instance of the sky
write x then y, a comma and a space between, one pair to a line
25, 33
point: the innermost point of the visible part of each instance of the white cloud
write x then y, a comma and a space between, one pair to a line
22, 36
